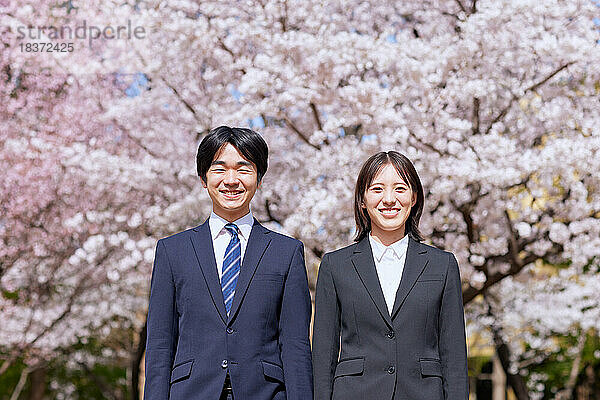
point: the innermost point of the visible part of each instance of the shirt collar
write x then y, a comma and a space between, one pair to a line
217, 225
399, 247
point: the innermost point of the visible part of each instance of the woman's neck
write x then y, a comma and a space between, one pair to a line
387, 238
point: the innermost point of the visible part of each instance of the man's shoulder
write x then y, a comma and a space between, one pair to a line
281, 239
179, 236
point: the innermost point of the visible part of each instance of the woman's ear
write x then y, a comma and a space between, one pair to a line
203, 183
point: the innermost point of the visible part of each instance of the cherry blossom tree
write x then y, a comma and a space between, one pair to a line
495, 102
77, 190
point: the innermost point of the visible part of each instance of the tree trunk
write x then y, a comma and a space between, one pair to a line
515, 381
498, 380
37, 377
567, 392
135, 364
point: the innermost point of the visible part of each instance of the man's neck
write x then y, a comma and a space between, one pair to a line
231, 216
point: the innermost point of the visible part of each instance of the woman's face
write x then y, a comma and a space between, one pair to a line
388, 200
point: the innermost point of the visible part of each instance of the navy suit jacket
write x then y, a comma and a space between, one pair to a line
264, 343
418, 352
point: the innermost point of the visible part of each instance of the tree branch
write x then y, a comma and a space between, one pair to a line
293, 127
186, 104
81, 287
516, 266
514, 98
513, 257
462, 7
284, 17
316, 115
136, 361
503, 351
567, 392
22, 380
427, 145
317, 252
475, 116
270, 214
102, 386
513, 246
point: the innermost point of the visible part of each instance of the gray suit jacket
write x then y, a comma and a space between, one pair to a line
417, 352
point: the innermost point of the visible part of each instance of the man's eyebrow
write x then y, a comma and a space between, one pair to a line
244, 163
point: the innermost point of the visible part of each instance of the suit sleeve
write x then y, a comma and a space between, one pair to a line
326, 332
294, 326
452, 340
161, 328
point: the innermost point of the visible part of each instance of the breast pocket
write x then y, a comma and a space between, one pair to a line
269, 277
431, 277
264, 296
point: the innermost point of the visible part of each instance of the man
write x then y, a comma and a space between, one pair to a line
229, 309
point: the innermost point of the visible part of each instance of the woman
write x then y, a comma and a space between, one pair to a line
389, 318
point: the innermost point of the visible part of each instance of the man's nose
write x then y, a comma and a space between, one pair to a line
231, 178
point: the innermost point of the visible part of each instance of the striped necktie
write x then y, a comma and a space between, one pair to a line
231, 266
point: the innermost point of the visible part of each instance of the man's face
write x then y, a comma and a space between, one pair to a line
231, 182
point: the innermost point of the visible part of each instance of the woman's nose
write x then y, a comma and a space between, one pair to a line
388, 197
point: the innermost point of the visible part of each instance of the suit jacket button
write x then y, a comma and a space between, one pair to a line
229, 330
391, 369
224, 364
390, 334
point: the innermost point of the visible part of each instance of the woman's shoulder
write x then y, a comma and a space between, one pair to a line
340, 254
434, 251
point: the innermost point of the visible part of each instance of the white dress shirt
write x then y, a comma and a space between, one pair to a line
389, 262
221, 236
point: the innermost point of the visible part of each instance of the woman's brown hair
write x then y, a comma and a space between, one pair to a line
367, 173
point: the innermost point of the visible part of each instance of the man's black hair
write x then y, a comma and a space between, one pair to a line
248, 142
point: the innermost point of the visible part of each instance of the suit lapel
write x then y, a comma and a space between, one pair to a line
203, 246
365, 266
257, 244
416, 260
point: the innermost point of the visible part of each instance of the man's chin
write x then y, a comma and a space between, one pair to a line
233, 207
